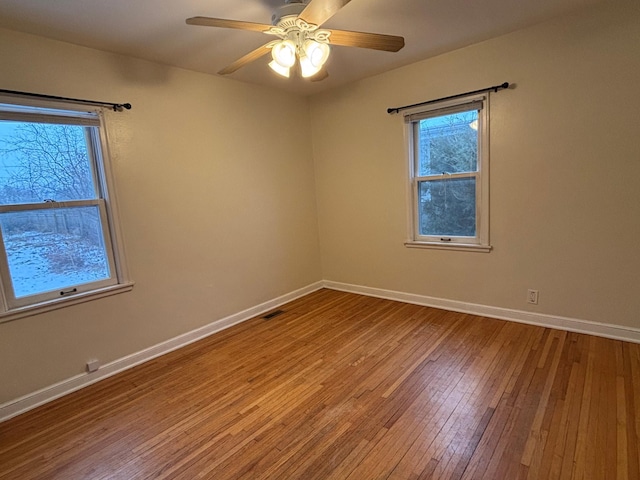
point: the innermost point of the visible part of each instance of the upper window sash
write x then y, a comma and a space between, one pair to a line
94, 188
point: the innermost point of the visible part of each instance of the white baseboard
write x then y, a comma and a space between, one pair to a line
28, 402
615, 332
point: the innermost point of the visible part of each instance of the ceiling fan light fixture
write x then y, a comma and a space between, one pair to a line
279, 69
284, 53
316, 52
307, 69
313, 56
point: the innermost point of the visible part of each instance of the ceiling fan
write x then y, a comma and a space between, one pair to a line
300, 40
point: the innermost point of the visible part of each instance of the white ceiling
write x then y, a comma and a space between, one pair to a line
155, 30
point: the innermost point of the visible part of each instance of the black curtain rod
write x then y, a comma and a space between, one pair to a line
117, 107
495, 88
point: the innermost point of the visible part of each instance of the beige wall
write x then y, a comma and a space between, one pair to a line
216, 215
565, 172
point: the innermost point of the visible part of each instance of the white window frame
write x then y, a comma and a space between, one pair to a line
412, 117
29, 110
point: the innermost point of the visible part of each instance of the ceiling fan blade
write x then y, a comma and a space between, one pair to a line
223, 23
319, 11
375, 41
248, 58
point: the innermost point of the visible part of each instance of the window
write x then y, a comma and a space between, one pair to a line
449, 174
58, 234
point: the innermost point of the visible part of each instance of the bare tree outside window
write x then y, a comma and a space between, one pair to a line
47, 162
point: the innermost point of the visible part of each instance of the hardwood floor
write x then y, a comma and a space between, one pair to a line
342, 386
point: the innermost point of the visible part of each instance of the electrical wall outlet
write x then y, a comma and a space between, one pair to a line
532, 296
93, 365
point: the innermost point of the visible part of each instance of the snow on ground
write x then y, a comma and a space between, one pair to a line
41, 262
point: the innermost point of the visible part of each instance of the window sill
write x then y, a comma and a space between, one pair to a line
43, 307
464, 247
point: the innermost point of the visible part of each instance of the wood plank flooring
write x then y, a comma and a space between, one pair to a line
342, 386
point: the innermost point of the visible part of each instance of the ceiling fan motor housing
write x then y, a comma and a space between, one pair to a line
292, 8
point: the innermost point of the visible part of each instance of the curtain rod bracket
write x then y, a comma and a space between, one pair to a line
495, 88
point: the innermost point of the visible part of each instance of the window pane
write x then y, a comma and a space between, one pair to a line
41, 161
448, 207
54, 249
448, 144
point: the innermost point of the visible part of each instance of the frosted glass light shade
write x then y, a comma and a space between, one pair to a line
316, 52
307, 69
284, 53
314, 56
279, 69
